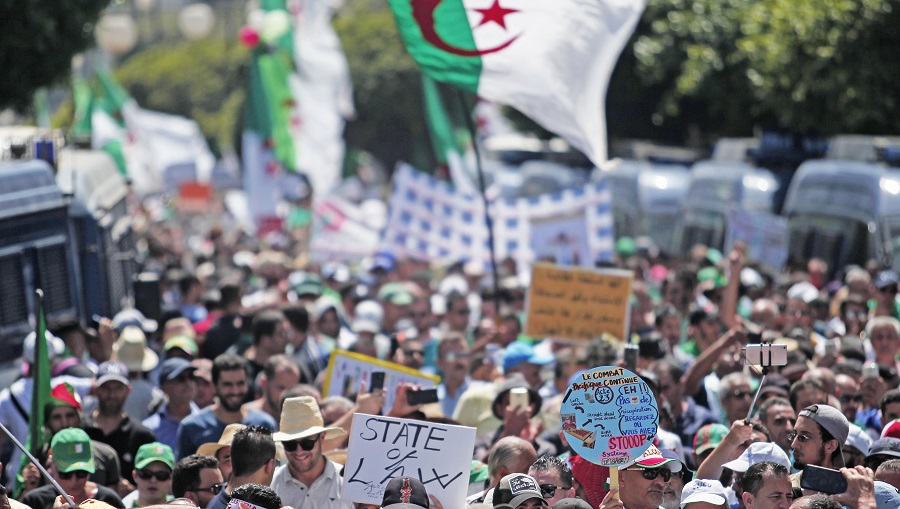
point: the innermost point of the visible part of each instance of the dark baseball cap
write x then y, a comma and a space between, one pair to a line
173, 368
833, 421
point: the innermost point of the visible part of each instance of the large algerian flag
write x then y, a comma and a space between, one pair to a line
551, 60
40, 396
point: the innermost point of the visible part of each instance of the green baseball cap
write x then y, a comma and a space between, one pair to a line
709, 437
71, 451
183, 342
154, 451
626, 247
396, 294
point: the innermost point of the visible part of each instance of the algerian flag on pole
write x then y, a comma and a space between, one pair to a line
551, 60
39, 372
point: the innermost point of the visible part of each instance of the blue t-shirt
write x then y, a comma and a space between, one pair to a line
203, 427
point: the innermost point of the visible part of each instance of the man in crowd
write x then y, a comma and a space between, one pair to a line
230, 377
279, 373
252, 462
71, 463
766, 485
110, 423
453, 363
778, 416
198, 479
554, 478
177, 380
153, 468
221, 450
703, 494
309, 480
510, 455
818, 436
271, 333
641, 485
519, 491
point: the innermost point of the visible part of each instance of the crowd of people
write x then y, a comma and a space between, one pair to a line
218, 402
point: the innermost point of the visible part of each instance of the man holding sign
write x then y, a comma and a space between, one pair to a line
641, 485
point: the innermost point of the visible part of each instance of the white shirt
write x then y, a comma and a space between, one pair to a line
325, 492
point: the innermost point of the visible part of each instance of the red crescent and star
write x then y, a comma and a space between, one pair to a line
423, 13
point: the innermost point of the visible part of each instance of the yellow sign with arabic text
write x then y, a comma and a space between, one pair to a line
576, 303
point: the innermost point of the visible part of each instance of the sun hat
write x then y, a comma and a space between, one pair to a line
704, 490
405, 493
134, 318
154, 451
55, 346
653, 458
132, 350
301, 418
514, 489
834, 423
759, 451
71, 450
211, 448
112, 371
709, 437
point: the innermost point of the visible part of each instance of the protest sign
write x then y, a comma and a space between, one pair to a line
347, 369
561, 239
576, 303
382, 448
609, 416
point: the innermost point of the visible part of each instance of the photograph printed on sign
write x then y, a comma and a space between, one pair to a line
609, 416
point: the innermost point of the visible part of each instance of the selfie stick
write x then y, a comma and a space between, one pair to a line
38, 465
764, 364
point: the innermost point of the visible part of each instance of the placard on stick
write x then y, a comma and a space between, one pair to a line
382, 448
609, 416
576, 303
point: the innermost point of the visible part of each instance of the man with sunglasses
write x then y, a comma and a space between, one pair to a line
252, 462
176, 379
309, 480
641, 485
71, 464
153, 467
198, 479
817, 439
554, 478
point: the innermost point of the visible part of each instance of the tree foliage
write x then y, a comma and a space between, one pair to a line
203, 80
37, 43
812, 67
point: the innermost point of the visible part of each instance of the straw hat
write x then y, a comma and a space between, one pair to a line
300, 418
132, 350
211, 448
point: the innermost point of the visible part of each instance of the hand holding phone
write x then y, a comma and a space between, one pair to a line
823, 480
421, 397
518, 398
377, 381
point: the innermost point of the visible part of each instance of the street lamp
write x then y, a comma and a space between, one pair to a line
116, 33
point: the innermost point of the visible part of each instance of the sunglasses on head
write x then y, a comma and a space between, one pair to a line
161, 475
306, 444
549, 490
652, 473
81, 474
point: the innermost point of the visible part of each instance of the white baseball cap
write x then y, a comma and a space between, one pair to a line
859, 439
759, 451
704, 490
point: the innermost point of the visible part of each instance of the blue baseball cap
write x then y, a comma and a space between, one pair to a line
519, 352
886, 496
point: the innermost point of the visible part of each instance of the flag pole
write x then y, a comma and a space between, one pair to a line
487, 215
38, 465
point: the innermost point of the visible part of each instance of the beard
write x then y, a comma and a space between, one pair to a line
228, 406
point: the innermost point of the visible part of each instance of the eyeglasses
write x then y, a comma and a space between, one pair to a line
738, 394
306, 444
81, 474
214, 489
848, 398
888, 289
857, 315
413, 352
161, 475
652, 473
549, 490
802, 437
183, 379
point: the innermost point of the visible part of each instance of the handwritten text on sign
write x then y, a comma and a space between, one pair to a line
610, 416
577, 303
382, 448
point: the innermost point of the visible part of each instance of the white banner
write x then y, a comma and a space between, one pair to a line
430, 220
382, 448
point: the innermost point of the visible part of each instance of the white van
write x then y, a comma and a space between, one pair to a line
844, 212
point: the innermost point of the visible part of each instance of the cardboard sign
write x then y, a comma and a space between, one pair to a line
609, 416
346, 369
382, 448
577, 304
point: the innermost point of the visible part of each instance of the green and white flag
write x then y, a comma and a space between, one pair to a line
551, 60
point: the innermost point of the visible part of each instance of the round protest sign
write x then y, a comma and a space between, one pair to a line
609, 415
